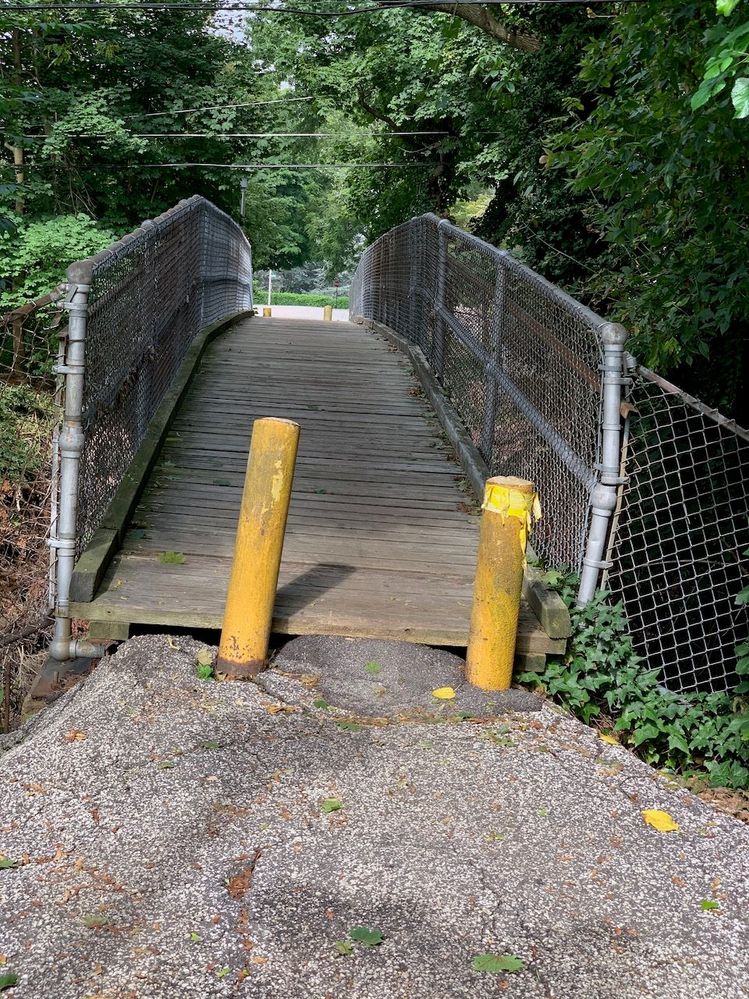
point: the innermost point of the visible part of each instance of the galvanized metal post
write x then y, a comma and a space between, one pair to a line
70, 446
439, 322
496, 329
604, 495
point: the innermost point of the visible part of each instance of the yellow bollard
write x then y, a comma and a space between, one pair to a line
243, 652
328, 313
267, 312
509, 506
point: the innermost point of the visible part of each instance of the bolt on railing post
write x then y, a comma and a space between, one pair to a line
509, 507
243, 652
604, 496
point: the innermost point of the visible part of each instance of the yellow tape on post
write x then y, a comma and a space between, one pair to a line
509, 509
508, 498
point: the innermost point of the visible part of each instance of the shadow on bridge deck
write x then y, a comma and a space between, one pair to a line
381, 539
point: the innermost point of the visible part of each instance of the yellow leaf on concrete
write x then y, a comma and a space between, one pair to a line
444, 693
610, 740
661, 821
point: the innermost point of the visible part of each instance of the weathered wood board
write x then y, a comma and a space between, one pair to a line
382, 531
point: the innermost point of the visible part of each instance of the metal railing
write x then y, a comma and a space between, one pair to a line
30, 395
539, 381
134, 309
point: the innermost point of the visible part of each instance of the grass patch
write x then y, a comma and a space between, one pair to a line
313, 299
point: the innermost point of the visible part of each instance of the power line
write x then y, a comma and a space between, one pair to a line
220, 107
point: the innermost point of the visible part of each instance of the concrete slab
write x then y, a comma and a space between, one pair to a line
177, 839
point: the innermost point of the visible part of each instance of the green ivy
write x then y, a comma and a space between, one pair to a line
601, 677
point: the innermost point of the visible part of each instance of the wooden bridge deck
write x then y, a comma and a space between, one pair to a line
382, 535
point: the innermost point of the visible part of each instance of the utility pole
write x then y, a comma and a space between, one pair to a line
243, 201
270, 287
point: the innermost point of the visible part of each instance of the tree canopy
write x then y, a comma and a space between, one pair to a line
604, 143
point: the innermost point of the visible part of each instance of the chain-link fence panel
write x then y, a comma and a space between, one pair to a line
679, 548
519, 359
29, 413
150, 294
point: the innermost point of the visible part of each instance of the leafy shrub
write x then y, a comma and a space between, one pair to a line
26, 419
601, 677
314, 299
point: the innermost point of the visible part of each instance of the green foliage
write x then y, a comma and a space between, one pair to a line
310, 299
687, 733
172, 558
36, 253
667, 197
728, 56
26, 420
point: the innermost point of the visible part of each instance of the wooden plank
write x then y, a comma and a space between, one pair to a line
381, 541
90, 567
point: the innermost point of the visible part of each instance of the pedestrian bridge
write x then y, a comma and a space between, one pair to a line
459, 363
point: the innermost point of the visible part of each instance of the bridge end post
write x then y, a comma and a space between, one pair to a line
510, 504
243, 652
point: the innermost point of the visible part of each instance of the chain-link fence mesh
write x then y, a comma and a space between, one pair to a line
678, 548
151, 293
29, 410
521, 361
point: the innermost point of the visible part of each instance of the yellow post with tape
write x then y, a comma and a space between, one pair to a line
267, 312
328, 313
510, 505
243, 652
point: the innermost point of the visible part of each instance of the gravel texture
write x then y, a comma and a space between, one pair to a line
171, 843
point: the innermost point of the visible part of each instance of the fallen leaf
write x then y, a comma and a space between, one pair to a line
280, 709
321, 704
348, 726
331, 805
609, 739
444, 693
6, 864
366, 937
373, 668
344, 948
76, 735
707, 905
659, 820
7, 980
496, 963
205, 658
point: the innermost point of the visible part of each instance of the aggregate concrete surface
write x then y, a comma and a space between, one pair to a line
173, 840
